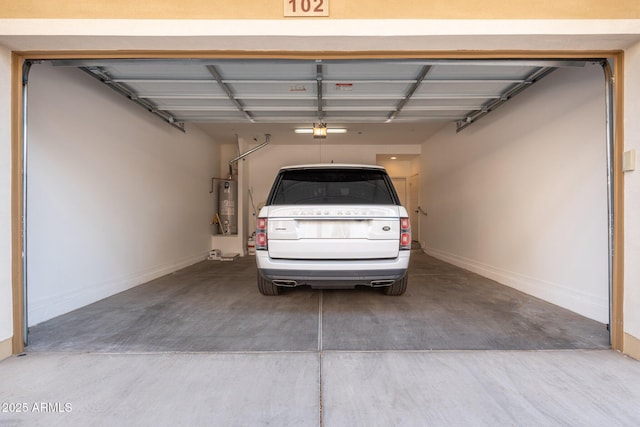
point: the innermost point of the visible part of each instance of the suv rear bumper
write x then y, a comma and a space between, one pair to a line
332, 273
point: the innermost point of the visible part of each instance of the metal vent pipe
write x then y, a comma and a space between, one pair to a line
242, 156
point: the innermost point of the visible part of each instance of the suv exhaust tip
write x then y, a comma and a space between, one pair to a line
381, 283
285, 283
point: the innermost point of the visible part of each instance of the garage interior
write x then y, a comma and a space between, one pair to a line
509, 213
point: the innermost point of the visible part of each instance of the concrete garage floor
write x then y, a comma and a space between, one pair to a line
202, 348
215, 306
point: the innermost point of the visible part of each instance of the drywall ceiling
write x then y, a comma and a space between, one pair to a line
378, 101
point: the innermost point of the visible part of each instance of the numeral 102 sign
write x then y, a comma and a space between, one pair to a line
306, 7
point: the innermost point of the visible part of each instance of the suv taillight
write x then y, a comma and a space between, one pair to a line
261, 234
405, 234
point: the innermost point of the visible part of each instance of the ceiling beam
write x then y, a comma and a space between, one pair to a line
99, 74
536, 75
319, 86
216, 75
421, 76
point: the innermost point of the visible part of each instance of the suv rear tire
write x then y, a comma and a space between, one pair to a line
398, 288
266, 287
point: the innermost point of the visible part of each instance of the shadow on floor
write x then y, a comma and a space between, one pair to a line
214, 306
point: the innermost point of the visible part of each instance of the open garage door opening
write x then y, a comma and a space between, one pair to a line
119, 196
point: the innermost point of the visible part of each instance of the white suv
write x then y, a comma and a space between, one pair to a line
333, 226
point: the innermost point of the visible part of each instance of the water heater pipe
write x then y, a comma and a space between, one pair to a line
254, 149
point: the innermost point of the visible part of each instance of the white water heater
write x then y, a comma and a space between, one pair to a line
228, 206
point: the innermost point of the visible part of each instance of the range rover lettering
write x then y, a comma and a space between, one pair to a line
333, 226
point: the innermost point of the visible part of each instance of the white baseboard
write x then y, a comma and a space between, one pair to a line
631, 346
6, 348
579, 302
44, 309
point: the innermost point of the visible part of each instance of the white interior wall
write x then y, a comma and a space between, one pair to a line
6, 318
415, 166
403, 168
520, 196
632, 195
397, 168
227, 152
399, 171
116, 197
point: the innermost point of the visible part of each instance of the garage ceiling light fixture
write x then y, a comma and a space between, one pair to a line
320, 130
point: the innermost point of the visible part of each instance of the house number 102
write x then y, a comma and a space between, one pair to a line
306, 7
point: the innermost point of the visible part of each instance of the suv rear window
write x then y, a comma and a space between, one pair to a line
333, 186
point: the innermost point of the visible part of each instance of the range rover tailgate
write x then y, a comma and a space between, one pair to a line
333, 232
